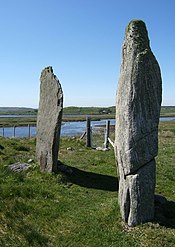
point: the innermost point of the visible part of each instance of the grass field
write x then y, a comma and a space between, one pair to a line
79, 209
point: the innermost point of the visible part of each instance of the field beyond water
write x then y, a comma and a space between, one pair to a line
71, 113
79, 209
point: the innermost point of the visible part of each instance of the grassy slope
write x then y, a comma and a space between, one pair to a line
89, 110
81, 209
165, 110
17, 110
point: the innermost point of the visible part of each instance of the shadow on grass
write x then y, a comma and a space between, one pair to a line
33, 236
165, 213
89, 179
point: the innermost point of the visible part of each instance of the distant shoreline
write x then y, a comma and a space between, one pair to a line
31, 120
17, 116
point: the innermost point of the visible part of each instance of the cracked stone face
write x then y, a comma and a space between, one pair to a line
49, 121
137, 115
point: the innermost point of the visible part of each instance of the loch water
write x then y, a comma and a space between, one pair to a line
67, 128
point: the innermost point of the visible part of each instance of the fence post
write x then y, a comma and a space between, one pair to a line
3, 131
14, 128
29, 129
88, 132
106, 143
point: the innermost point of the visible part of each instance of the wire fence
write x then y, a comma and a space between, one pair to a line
97, 135
18, 131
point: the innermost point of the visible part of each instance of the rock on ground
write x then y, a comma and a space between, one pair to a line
19, 167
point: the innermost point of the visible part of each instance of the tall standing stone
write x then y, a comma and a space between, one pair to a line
137, 115
49, 120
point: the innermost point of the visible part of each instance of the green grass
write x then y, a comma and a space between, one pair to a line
79, 209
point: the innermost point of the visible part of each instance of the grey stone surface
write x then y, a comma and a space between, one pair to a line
136, 195
49, 120
137, 114
19, 167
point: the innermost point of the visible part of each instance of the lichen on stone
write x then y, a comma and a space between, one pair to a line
138, 23
136, 31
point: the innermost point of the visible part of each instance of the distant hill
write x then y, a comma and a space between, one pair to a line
17, 110
75, 110
89, 110
165, 110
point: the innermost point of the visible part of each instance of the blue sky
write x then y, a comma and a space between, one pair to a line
81, 40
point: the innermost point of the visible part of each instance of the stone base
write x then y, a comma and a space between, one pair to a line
136, 194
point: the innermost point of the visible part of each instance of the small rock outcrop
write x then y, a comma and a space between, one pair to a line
138, 105
49, 120
19, 167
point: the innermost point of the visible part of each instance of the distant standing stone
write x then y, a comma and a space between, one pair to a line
138, 104
49, 120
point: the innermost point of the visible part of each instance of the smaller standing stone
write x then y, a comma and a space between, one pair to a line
49, 120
